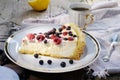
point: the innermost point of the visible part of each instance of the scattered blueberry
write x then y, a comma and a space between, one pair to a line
1, 51
49, 62
36, 55
41, 62
62, 64
71, 61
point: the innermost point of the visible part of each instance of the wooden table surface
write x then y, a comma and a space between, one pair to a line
18, 10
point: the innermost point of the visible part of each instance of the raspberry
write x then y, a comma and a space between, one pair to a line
40, 37
65, 33
57, 40
52, 36
70, 39
30, 36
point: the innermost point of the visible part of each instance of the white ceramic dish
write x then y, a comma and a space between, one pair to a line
8, 74
29, 62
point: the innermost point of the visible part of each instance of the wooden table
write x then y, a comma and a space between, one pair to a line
18, 10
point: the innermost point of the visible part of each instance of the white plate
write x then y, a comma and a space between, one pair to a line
29, 62
8, 74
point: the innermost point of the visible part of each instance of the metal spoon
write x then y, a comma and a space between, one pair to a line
106, 58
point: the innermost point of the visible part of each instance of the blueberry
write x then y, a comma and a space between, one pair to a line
57, 34
65, 38
38, 37
45, 41
74, 35
49, 62
71, 61
35, 34
63, 64
60, 29
68, 28
54, 29
71, 34
41, 62
1, 51
36, 55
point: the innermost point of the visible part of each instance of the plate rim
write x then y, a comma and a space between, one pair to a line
49, 71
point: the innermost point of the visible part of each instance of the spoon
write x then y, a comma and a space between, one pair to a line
114, 40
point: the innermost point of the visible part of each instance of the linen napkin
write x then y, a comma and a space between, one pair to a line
106, 24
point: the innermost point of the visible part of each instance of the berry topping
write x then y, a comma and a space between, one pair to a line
68, 28
54, 29
57, 40
36, 55
60, 29
62, 64
40, 33
63, 27
40, 38
35, 34
71, 61
57, 34
65, 33
70, 34
70, 39
49, 62
65, 38
45, 41
74, 35
41, 62
30, 36
46, 35
52, 36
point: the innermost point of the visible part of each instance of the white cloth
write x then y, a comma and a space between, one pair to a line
105, 26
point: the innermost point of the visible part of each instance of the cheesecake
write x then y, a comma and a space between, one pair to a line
67, 42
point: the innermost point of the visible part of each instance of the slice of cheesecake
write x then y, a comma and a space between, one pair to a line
66, 42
